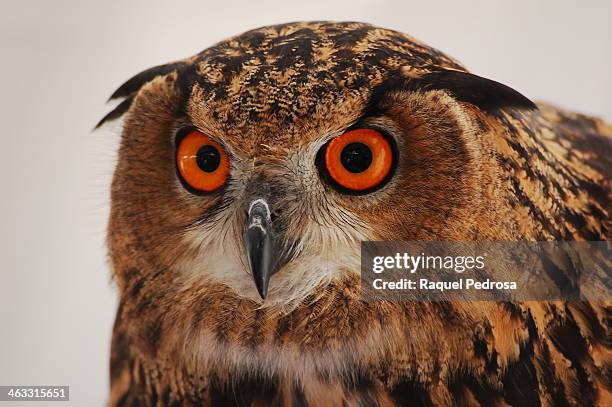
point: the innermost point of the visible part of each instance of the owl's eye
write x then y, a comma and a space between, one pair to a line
359, 160
202, 163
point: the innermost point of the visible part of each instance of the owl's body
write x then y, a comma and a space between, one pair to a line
475, 161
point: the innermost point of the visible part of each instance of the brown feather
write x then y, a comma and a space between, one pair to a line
190, 329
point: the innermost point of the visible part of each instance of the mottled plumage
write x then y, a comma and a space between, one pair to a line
477, 161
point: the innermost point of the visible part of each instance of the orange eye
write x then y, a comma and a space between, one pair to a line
202, 162
359, 160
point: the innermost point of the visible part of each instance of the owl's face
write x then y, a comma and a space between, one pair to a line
262, 162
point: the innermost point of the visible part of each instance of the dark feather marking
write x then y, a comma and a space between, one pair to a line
534, 210
568, 287
550, 380
134, 84
567, 339
480, 341
361, 388
202, 308
125, 400
512, 308
485, 394
284, 326
136, 288
244, 392
520, 380
152, 392
489, 95
116, 112
120, 353
485, 93
154, 332
410, 393
297, 397
255, 338
598, 332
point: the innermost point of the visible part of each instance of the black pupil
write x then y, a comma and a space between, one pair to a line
208, 158
356, 157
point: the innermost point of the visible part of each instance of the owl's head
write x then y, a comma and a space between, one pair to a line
260, 163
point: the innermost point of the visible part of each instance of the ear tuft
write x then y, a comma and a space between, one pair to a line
137, 81
116, 112
129, 89
487, 94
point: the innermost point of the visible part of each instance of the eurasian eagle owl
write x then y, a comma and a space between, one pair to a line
249, 173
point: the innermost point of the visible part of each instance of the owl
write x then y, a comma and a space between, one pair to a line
248, 175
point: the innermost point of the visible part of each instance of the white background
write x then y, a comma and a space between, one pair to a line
59, 62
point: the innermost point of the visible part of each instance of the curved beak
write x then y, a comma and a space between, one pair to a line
259, 242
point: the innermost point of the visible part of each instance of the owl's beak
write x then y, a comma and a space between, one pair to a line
259, 241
